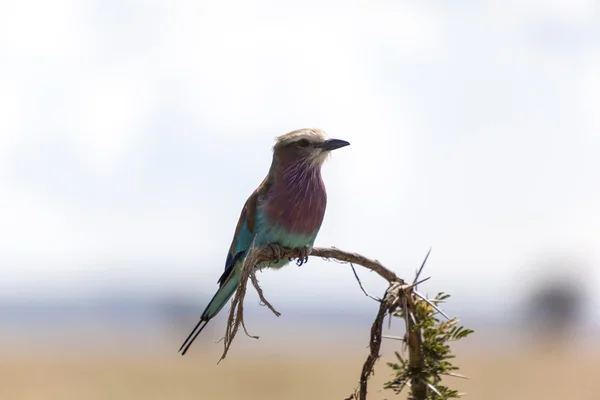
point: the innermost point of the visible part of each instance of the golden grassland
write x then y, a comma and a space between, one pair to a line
324, 374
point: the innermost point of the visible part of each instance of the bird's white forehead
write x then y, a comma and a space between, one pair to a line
313, 134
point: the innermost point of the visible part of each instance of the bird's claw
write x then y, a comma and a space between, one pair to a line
277, 252
302, 256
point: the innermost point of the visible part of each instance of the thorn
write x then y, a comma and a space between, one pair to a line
393, 337
436, 308
406, 313
414, 285
421, 268
456, 375
433, 388
412, 316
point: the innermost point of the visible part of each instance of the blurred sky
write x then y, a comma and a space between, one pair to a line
132, 132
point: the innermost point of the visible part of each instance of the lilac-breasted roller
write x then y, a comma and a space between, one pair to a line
286, 209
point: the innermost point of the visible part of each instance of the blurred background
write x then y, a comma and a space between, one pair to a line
132, 132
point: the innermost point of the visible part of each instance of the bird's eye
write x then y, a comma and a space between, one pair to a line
303, 143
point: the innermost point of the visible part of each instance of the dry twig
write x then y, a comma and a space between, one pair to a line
261, 295
375, 341
397, 296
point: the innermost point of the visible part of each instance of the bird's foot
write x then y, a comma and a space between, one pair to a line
277, 252
303, 253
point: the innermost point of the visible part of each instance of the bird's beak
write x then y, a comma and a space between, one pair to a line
333, 144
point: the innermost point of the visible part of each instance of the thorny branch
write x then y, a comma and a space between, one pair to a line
398, 296
415, 355
273, 253
374, 344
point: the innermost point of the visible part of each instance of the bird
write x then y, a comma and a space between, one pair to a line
286, 209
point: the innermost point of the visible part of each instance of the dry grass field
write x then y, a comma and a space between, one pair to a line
495, 375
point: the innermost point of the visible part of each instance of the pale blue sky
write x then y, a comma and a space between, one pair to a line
131, 133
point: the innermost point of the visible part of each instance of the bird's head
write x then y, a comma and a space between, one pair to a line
310, 145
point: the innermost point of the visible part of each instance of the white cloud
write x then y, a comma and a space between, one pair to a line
453, 123
568, 11
12, 115
110, 109
252, 60
33, 228
589, 90
32, 29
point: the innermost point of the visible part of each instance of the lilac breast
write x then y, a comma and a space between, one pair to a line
297, 200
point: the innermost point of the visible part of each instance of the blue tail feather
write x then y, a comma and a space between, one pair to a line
216, 304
